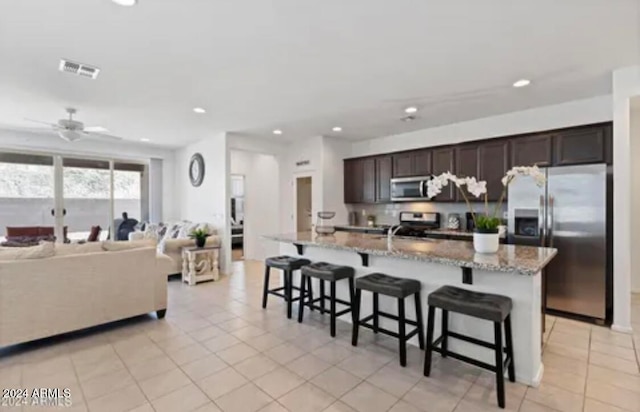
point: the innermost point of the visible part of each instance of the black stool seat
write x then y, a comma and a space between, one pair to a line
388, 285
327, 271
479, 305
286, 262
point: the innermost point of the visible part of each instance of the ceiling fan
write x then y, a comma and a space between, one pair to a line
72, 130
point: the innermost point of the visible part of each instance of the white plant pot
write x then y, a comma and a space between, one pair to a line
486, 242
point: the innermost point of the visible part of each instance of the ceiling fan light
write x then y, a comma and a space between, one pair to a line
69, 135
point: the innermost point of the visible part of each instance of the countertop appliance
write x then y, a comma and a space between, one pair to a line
414, 224
409, 189
571, 213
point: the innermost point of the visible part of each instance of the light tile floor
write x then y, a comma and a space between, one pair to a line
217, 350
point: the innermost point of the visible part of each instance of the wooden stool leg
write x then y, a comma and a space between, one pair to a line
509, 345
309, 292
333, 308
322, 296
288, 275
402, 333
303, 282
352, 298
419, 320
375, 313
356, 316
427, 356
265, 291
497, 328
445, 332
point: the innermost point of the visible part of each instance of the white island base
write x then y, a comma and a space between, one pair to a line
524, 290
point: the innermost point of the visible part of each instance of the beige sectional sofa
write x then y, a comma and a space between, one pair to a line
172, 237
78, 286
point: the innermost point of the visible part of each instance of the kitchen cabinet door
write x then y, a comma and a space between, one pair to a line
422, 163
493, 165
403, 164
580, 146
531, 150
353, 181
384, 169
443, 160
369, 180
466, 166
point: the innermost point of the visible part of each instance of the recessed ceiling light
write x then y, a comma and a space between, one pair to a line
126, 3
522, 83
411, 109
199, 110
337, 129
144, 139
277, 131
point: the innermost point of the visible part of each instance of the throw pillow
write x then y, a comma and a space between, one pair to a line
94, 234
43, 250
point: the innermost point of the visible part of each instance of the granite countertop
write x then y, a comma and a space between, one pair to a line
524, 260
440, 231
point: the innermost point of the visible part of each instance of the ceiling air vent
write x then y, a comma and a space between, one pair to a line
79, 69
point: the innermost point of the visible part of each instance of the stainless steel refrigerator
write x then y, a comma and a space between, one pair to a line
571, 214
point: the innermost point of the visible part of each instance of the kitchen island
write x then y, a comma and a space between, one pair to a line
514, 271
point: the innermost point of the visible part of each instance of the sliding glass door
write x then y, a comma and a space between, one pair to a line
26, 195
70, 197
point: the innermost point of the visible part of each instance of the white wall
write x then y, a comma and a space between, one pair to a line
634, 130
210, 202
21, 141
626, 85
261, 200
578, 112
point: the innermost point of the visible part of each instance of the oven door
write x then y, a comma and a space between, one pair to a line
409, 189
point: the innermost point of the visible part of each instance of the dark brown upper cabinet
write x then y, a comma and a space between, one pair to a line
443, 160
384, 169
467, 165
580, 145
422, 162
415, 163
369, 180
493, 165
532, 150
353, 181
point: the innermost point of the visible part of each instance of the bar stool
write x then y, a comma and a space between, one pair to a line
399, 288
494, 308
326, 272
287, 264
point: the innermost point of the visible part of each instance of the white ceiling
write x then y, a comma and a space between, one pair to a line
304, 66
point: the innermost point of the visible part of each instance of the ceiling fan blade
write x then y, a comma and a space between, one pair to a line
95, 129
101, 136
41, 122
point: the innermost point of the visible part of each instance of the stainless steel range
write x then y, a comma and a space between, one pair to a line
414, 224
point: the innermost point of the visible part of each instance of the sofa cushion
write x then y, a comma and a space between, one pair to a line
25, 241
78, 248
111, 246
43, 250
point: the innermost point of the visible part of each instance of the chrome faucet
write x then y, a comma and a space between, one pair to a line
391, 233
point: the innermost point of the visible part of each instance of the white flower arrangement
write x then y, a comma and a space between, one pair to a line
487, 222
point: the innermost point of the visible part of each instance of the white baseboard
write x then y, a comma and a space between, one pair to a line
622, 329
538, 378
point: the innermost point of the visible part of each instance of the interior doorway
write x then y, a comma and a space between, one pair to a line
237, 217
304, 217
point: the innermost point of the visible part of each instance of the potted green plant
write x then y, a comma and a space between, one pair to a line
200, 235
486, 237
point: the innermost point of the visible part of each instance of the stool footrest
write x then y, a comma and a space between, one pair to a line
467, 359
492, 368
390, 316
469, 339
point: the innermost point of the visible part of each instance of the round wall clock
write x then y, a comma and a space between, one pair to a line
196, 169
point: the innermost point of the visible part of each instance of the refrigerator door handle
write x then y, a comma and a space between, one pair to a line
541, 222
551, 228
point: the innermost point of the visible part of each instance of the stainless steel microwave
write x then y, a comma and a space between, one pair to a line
409, 189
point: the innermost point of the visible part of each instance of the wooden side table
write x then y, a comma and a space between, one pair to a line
200, 264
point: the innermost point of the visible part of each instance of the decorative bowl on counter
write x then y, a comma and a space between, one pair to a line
323, 224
